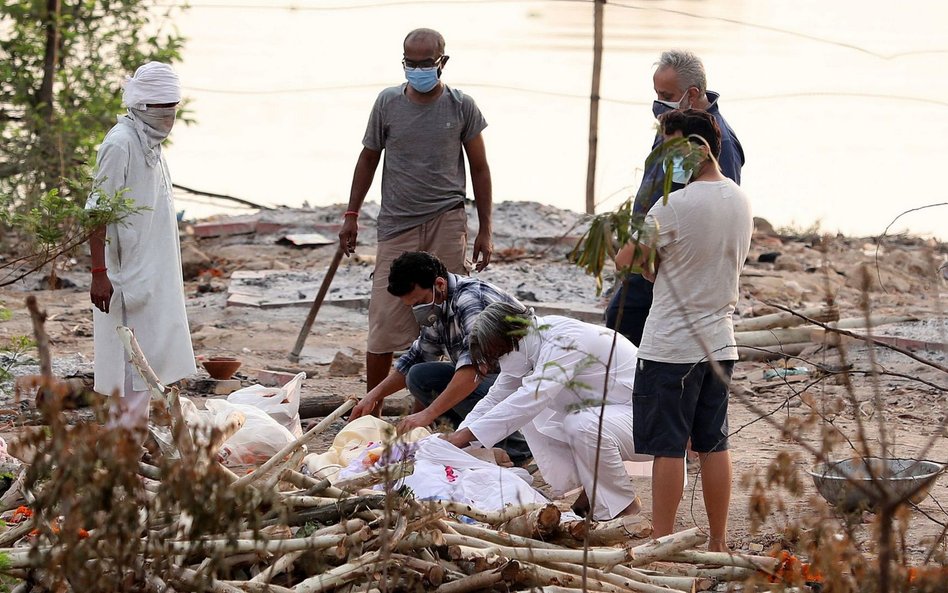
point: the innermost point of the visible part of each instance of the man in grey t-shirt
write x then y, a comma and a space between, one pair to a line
425, 128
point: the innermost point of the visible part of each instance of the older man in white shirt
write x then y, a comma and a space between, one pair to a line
559, 379
136, 263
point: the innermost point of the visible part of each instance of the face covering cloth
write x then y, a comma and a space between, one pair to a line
153, 83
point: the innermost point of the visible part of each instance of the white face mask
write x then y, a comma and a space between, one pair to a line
658, 103
159, 119
515, 363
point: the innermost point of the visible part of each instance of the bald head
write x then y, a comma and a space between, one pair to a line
425, 39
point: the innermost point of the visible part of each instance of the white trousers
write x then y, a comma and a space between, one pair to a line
570, 461
131, 411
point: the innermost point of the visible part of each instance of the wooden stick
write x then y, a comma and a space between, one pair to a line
310, 434
15, 533
491, 517
496, 537
774, 337
784, 319
389, 473
333, 512
775, 352
189, 578
483, 580
255, 587
558, 589
182, 435
538, 523
681, 583
596, 556
641, 584
721, 573
279, 546
432, 572
764, 563
661, 548
606, 533
338, 576
38, 319
308, 501
541, 576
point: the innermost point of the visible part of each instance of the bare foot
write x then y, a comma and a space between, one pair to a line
634, 508
718, 545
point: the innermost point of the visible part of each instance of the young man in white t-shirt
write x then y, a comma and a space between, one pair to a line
701, 237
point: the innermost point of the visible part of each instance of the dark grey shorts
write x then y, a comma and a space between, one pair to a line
672, 402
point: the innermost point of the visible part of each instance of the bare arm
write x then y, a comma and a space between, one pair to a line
372, 402
101, 291
462, 384
483, 200
361, 182
638, 255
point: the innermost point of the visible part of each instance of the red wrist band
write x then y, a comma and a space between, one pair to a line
351, 213
99, 270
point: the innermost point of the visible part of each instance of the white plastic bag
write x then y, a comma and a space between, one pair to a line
258, 439
282, 403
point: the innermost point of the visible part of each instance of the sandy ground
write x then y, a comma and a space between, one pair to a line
906, 277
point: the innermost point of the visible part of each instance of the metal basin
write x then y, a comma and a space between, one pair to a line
901, 476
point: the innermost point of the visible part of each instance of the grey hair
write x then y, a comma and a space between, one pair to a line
498, 330
688, 66
426, 35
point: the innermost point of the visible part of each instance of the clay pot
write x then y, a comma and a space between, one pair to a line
221, 367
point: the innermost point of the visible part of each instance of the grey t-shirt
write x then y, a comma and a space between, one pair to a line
423, 173
704, 233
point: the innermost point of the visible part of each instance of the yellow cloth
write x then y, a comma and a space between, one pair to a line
367, 433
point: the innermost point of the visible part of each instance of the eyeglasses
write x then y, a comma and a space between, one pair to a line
429, 63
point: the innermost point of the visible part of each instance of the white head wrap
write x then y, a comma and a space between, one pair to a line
153, 83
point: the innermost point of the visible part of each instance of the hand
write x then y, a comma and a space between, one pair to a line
420, 419
101, 292
461, 438
483, 248
365, 407
650, 269
349, 235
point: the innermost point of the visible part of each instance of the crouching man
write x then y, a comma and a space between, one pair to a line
558, 378
445, 306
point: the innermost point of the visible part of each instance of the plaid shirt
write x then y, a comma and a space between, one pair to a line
467, 297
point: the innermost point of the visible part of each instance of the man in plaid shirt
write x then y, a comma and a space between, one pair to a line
445, 306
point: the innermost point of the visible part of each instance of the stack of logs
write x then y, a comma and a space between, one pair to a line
378, 542
343, 537
789, 334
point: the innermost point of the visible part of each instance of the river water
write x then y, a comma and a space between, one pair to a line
839, 105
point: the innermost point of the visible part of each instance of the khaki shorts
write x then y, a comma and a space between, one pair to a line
392, 326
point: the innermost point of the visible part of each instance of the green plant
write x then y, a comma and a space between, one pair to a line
61, 65
11, 355
610, 231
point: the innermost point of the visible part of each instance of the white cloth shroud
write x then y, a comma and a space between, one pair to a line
444, 472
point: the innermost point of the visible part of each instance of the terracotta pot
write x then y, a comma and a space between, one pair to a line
221, 367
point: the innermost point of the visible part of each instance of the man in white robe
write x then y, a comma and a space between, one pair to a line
136, 264
553, 379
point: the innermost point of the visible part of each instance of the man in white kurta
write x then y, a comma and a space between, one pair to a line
553, 379
136, 264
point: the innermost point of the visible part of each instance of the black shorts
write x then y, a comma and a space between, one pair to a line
672, 402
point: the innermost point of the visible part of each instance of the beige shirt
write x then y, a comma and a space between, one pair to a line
703, 236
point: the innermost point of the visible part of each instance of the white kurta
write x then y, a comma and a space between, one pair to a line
552, 389
143, 256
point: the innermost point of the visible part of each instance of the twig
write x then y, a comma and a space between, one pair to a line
310, 434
